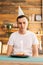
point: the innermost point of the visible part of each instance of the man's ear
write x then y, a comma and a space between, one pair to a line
17, 25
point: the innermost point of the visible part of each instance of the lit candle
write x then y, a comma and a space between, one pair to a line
0, 46
21, 45
40, 46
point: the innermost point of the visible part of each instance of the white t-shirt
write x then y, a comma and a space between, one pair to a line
23, 43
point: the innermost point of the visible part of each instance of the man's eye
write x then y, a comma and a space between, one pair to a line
19, 23
23, 22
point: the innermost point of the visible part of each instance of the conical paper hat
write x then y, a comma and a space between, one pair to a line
20, 12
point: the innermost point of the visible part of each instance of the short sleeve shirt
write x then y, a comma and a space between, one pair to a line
23, 43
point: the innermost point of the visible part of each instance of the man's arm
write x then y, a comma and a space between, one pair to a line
35, 50
10, 50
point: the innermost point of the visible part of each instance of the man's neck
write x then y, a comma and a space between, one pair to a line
22, 32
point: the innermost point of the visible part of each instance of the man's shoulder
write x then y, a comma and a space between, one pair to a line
14, 33
30, 32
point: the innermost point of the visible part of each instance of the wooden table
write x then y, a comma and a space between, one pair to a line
4, 60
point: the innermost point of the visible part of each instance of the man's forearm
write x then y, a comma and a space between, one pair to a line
35, 54
10, 49
35, 50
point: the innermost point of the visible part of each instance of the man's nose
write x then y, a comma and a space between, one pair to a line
22, 24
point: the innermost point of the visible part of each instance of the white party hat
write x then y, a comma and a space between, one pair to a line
20, 12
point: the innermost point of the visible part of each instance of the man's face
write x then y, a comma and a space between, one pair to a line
22, 23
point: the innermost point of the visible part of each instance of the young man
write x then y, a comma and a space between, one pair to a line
23, 41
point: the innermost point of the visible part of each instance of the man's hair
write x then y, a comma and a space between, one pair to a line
21, 16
